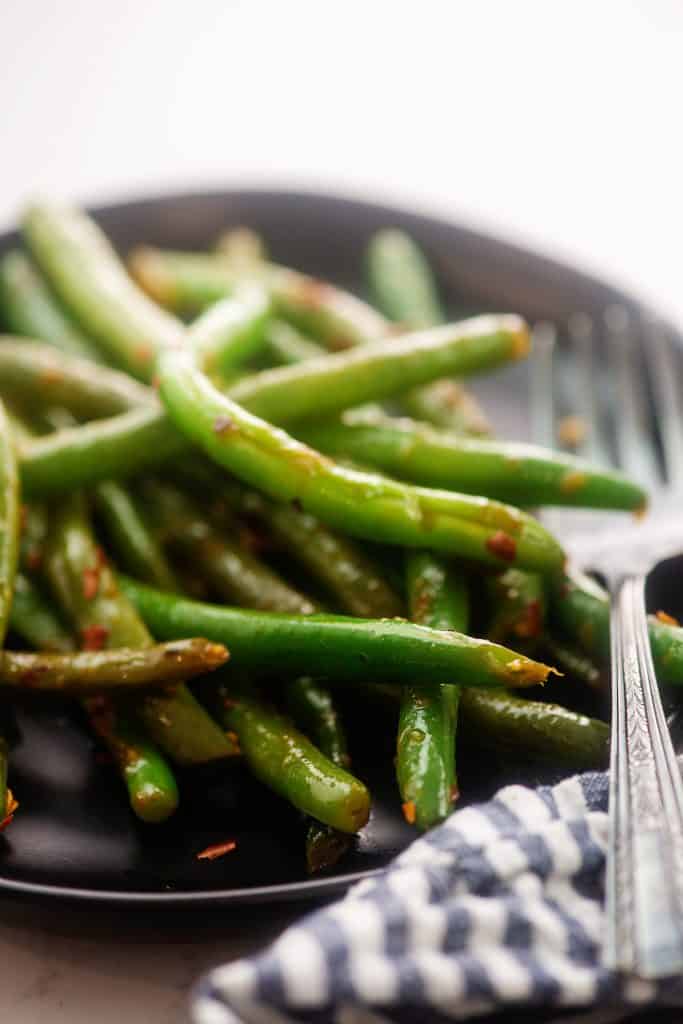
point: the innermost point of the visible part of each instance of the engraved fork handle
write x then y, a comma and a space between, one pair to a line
645, 842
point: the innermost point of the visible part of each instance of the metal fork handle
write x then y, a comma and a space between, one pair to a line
645, 841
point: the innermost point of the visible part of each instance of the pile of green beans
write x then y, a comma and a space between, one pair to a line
254, 457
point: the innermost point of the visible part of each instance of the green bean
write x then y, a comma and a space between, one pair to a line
335, 647
571, 660
281, 757
232, 572
425, 756
405, 290
361, 504
287, 346
517, 601
580, 609
537, 730
341, 566
188, 282
522, 474
152, 788
9, 519
83, 269
39, 373
119, 669
88, 594
382, 368
30, 310
133, 543
142, 437
401, 280
34, 620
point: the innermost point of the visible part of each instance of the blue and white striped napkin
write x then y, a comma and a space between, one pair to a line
501, 906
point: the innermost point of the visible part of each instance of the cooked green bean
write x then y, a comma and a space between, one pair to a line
189, 282
572, 661
38, 373
88, 594
287, 346
351, 577
401, 280
382, 368
152, 788
361, 504
425, 755
534, 729
119, 669
29, 309
517, 601
580, 609
34, 620
231, 572
522, 474
9, 519
403, 285
83, 269
335, 647
281, 757
134, 545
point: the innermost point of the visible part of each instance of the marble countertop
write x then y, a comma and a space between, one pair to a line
554, 124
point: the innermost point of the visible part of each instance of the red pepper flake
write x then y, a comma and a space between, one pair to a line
11, 808
531, 621
313, 293
502, 545
90, 581
94, 637
34, 559
143, 353
223, 425
23, 517
156, 383
455, 793
409, 811
667, 619
217, 850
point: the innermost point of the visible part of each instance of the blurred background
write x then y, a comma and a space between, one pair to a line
556, 124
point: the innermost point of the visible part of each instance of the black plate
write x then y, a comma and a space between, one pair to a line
75, 837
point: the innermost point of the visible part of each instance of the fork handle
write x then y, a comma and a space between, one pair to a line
645, 840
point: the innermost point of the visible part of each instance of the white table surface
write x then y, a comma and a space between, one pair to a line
556, 124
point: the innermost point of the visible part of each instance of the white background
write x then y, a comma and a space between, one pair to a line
556, 123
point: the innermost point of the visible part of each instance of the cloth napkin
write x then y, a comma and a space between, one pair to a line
501, 906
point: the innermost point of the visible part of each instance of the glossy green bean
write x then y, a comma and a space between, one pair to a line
580, 609
335, 647
287, 346
135, 547
118, 669
572, 661
83, 269
382, 368
522, 474
350, 576
231, 571
33, 618
152, 789
360, 504
188, 282
425, 753
39, 374
404, 288
87, 591
532, 729
9, 519
518, 606
29, 309
286, 761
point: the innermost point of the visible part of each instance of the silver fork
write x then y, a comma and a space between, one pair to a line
644, 887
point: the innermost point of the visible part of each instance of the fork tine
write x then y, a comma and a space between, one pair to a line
665, 373
633, 432
544, 337
581, 335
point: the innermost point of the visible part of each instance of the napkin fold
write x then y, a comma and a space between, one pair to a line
501, 906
